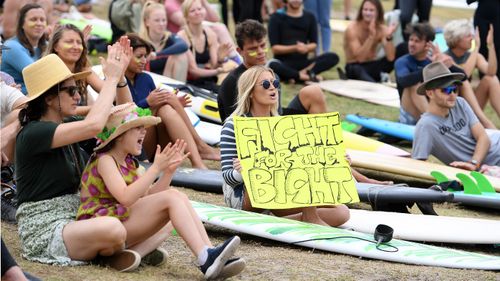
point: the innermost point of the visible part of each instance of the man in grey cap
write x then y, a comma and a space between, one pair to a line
449, 129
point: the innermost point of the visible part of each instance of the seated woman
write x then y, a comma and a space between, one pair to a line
212, 20
113, 185
170, 108
69, 44
257, 97
169, 57
28, 45
206, 56
49, 164
458, 35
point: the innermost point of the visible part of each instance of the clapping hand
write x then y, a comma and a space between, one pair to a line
171, 157
224, 50
119, 56
86, 32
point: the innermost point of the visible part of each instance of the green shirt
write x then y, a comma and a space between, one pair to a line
42, 172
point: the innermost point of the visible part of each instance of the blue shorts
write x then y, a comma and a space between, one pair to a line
406, 118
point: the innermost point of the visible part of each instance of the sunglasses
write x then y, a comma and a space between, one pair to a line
254, 53
450, 90
267, 83
72, 90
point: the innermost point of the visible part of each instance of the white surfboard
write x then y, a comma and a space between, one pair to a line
209, 132
363, 90
342, 241
203, 107
427, 228
458, 4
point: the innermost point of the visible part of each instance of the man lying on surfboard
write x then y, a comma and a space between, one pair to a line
449, 129
252, 46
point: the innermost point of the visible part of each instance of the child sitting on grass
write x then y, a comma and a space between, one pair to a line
112, 185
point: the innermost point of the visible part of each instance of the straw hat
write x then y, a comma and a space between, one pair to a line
437, 75
45, 73
123, 118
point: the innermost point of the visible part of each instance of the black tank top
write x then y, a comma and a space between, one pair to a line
204, 57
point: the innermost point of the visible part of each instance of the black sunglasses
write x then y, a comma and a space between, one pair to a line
72, 90
267, 83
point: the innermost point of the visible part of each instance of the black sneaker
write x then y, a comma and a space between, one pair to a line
156, 257
218, 256
231, 268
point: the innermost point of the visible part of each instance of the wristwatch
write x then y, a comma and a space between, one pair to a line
475, 163
388, 38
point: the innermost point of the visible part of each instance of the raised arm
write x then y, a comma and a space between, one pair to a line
114, 66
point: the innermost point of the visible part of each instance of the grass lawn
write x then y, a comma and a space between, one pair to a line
269, 260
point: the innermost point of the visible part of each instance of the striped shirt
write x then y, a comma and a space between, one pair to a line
228, 153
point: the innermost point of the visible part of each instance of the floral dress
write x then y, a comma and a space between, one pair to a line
101, 202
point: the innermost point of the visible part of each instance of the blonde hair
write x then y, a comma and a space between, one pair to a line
148, 8
455, 30
246, 84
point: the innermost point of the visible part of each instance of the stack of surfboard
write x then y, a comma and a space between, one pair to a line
407, 166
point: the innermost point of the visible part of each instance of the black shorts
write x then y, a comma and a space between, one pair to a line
294, 107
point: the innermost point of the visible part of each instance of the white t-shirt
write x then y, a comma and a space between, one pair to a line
9, 96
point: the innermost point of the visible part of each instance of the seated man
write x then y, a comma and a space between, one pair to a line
293, 36
363, 40
449, 129
251, 40
252, 46
409, 75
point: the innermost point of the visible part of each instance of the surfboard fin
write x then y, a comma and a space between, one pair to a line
483, 183
470, 186
439, 177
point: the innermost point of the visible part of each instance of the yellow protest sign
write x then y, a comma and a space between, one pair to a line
294, 161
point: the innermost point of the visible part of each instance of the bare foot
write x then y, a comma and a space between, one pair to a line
310, 215
208, 153
200, 166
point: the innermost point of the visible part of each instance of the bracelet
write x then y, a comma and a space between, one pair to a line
388, 38
123, 85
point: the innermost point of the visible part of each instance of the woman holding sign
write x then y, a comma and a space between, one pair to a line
258, 97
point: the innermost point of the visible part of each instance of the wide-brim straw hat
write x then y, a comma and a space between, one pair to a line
123, 118
45, 73
437, 75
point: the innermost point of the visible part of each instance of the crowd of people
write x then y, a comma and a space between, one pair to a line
82, 195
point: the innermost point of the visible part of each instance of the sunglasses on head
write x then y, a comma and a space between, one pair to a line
450, 89
267, 83
72, 90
